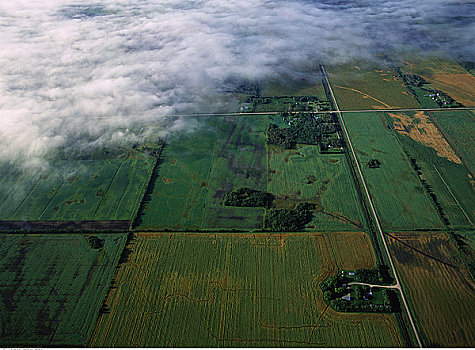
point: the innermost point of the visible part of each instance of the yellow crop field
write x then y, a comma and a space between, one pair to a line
226, 290
440, 295
353, 250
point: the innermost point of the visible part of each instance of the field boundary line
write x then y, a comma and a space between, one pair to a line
52, 198
108, 188
28, 195
125, 190
397, 285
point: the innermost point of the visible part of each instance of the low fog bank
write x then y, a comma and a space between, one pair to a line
84, 74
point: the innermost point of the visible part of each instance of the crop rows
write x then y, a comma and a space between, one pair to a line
228, 290
52, 287
85, 190
438, 291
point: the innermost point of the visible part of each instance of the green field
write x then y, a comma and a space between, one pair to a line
398, 195
460, 132
363, 85
330, 185
438, 290
53, 286
199, 168
441, 167
76, 190
239, 161
226, 290
308, 85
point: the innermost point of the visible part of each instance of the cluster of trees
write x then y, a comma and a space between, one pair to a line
280, 137
95, 242
297, 107
379, 275
414, 80
374, 163
247, 197
285, 220
390, 303
442, 99
335, 287
330, 145
308, 129
305, 98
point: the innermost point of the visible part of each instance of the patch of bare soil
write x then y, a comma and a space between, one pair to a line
421, 129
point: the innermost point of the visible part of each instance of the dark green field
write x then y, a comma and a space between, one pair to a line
53, 286
450, 182
76, 190
239, 161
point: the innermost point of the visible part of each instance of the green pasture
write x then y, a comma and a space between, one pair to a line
398, 195
199, 168
306, 175
239, 161
53, 286
121, 200
225, 290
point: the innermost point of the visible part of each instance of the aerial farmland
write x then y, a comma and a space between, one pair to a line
224, 198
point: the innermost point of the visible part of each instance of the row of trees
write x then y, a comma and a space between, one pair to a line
379, 275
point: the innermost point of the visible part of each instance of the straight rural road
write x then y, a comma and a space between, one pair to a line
398, 284
296, 113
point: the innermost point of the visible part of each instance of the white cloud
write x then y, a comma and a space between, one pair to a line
64, 64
